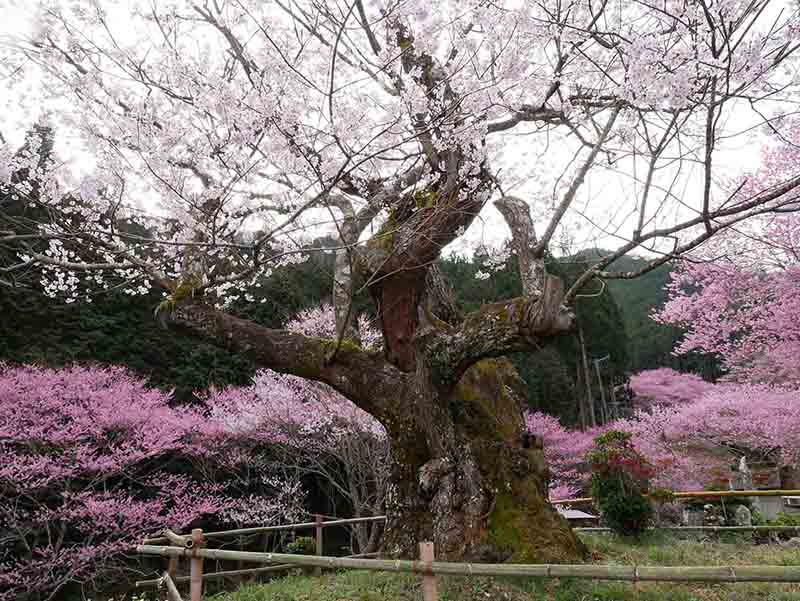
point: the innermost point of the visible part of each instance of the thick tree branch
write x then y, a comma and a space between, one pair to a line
365, 378
532, 271
519, 324
526, 114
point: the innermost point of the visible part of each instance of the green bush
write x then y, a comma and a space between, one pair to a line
620, 481
786, 519
302, 545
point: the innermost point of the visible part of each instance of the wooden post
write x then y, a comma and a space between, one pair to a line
429, 588
318, 545
172, 568
603, 403
196, 567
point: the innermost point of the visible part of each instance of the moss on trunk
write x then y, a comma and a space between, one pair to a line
484, 497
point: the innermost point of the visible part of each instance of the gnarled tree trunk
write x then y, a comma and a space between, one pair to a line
466, 476
465, 473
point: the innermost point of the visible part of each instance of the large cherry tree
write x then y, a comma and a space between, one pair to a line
212, 139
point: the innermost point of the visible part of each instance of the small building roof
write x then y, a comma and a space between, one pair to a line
576, 514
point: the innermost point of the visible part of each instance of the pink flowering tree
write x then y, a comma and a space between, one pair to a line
667, 386
690, 431
93, 460
312, 430
746, 314
565, 451
739, 419
218, 139
738, 296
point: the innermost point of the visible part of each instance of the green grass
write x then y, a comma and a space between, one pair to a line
656, 550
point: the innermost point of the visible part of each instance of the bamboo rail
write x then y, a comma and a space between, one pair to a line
259, 529
594, 572
216, 575
736, 493
703, 528
705, 494
232, 573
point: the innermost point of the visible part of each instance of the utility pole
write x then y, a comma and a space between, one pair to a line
604, 405
590, 415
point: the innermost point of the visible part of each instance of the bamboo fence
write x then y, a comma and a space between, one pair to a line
429, 569
795, 529
192, 547
193, 544
702, 494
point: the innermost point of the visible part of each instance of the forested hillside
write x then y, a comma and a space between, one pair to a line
650, 344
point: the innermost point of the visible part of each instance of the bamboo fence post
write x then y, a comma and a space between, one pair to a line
318, 545
196, 567
172, 567
429, 588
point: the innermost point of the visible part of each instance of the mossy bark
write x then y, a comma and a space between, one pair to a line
467, 478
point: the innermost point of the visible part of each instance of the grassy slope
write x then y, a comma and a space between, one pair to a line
374, 586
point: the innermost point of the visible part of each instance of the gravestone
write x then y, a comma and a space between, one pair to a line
693, 517
742, 516
742, 478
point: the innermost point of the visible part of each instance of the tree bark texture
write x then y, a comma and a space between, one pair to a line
466, 477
